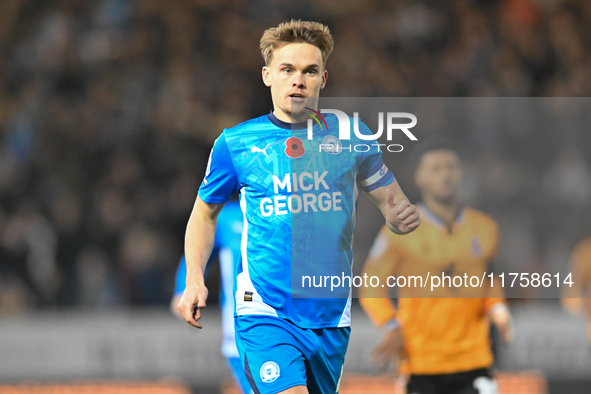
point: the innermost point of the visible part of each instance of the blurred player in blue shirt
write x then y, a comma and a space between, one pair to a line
227, 247
300, 206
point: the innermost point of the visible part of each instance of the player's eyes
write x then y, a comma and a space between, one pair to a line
312, 72
286, 70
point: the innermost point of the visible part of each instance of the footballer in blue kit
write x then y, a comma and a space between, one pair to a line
300, 206
227, 247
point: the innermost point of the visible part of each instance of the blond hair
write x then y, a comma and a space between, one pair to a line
296, 31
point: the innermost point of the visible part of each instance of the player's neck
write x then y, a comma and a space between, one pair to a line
446, 211
284, 117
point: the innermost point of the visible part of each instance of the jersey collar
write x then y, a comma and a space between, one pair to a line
433, 218
286, 125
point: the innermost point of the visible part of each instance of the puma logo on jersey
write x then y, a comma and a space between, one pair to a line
254, 149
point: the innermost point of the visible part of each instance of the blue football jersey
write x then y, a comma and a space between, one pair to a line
227, 247
300, 205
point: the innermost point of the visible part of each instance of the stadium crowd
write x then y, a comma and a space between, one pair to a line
108, 110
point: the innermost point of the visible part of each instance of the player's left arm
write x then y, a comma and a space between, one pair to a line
380, 184
401, 216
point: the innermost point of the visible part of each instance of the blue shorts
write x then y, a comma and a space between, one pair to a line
277, 355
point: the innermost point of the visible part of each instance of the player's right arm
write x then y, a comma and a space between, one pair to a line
199, 241
220, 183
375, 301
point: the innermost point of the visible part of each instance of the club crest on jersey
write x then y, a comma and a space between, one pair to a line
331, 145
269, 372
294, 147
476, 247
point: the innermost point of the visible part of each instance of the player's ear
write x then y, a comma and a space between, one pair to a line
266, 76
324, 78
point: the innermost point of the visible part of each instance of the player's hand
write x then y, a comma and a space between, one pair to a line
404, 216
501, 318
191, 303
389, 351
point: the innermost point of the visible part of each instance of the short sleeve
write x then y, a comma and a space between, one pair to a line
220, 181
373, 173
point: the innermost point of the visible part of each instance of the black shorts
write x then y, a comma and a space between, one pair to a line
478, 381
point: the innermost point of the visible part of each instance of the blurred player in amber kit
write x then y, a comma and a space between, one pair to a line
576, 299
442, 343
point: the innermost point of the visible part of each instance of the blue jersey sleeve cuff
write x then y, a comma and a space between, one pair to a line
209, 199
221, 180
